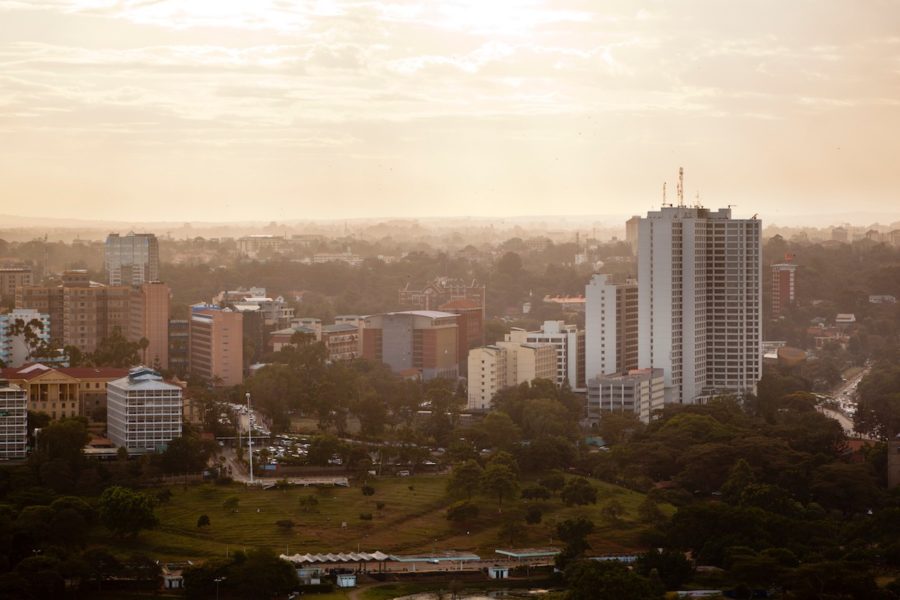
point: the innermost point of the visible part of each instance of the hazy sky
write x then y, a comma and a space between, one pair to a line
276, 109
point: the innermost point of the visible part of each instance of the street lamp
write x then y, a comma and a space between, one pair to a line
250, 435
218, 580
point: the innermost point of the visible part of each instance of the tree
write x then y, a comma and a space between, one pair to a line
617, 428
125, 512
184, 455
368, 490
578, 491
262, 574
878, 409
612, 511
498, 431
589, 580
500, 482
465, 480
231, 504
203, 521
673, 568
63, 440
536, 492
573, 533
533, 515
116, 351
553, 482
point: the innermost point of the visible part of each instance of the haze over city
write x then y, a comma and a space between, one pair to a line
226, 110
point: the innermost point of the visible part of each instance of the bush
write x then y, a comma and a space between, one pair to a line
379, 505
579, 491
203, 521
309, 504
368, 490
285, 524
365, 516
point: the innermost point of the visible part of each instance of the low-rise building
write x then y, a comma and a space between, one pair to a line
64, 391
144, 413
568, 341
342, 340
505, 364
424, 340
641, 392
13, 421
13, 277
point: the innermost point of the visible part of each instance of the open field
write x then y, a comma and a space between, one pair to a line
413, 519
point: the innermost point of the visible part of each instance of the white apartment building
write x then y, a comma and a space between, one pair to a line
700, 301
15, 348
641, 391
132, 259
569, 344
13, 421
610, 326
143, 412
505, 364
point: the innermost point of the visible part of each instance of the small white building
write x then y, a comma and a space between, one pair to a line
143, 412
345, 580
13, 421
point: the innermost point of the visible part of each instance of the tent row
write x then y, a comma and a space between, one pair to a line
336, 558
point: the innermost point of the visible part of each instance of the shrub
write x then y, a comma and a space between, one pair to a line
285, 524
368, 490
462, 512
533, 515
365, 516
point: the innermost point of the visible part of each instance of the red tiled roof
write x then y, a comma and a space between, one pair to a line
28, 372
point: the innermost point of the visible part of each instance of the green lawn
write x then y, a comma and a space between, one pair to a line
412, 520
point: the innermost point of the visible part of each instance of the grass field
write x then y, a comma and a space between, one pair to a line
413, 519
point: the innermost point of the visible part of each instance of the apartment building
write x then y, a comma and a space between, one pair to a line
179, 345
132, 259
505, 364
13, 421
150, 321
144, 413
216, 344
610, 326
567, 340
700, 301
470, 323
784, 277
12, 277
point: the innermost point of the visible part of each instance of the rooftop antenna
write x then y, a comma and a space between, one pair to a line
697, 198
664, 193
680, 189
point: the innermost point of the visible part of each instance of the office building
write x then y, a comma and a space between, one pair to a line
144, 413
567, 340
640, 392
64, 391
150, 321
13, 421
342, 341
699, 301
422, 342
217, 345
505, 364
132, 259
783, 282
12, 277
610, 326
22, 331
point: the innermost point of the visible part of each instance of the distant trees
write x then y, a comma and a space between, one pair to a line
465, 479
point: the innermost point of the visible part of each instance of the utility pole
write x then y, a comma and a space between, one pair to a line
250, 435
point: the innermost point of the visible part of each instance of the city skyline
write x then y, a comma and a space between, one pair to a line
226, 111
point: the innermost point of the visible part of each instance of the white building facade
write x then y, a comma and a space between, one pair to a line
569, 344
700, 301
610, 326
143, 412
13, 421
641, 391
15, 346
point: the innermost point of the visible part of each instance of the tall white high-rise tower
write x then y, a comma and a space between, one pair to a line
700, 301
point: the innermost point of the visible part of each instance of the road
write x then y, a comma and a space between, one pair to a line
845, 395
